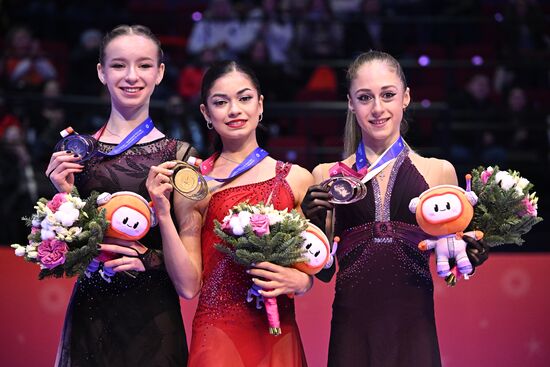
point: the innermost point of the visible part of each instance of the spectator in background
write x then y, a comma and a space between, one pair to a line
365, 29
190, 76
524, 29
24, 66
474, 114
273, 24
17, 181
46, 122
525, 126
525, 43
220, 30
82, 78
180, 124
319, 35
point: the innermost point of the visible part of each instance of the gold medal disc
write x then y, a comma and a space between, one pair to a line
189, 182
186, 179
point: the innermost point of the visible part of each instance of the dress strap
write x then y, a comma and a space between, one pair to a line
282, 169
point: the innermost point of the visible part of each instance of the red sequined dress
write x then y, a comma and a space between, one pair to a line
228, 331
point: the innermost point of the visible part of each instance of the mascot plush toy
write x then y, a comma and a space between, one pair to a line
130, 217
317, 251
444, 212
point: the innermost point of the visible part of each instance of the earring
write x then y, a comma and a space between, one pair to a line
260, 117
209, 125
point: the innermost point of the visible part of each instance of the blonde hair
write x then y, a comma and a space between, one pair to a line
352, 131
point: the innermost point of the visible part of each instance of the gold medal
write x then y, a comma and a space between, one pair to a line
188, 181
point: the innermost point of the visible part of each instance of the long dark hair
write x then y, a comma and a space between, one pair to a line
215, 72
123, 30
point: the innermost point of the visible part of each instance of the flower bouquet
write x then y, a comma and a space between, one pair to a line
256, 233
506, 209
65, 234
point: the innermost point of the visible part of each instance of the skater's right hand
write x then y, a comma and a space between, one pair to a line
315, 205
61, 169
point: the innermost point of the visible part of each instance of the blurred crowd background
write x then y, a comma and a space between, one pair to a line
478, 72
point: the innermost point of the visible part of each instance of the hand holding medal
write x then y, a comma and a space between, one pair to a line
85, 146
345, 189
188, 181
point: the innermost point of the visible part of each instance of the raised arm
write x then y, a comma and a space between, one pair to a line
181, 241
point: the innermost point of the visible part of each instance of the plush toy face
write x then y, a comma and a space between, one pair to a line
129, 216
129, 222
317, 250
444, 210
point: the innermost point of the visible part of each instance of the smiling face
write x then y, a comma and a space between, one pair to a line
316, 250
233, 105
377, 97
130, 70
129, 222
443, 210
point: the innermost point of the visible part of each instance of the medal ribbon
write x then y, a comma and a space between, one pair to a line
250, 161
385, 158
365, 172
131, 139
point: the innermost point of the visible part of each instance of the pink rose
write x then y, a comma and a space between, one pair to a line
530, 208
260, 224
56, 201
485, 175
51, 253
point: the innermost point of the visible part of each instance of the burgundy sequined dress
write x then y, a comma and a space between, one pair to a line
383, 311
130, 321
228, 331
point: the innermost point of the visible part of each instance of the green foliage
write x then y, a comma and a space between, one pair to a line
499, 213
85, 246
282, 246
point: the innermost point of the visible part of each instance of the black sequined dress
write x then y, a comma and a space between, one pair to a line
130, 321
383, 311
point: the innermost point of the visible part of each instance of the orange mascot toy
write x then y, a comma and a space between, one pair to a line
444, 212
130, 217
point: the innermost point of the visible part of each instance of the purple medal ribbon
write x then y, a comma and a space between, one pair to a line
131, 139
250, 161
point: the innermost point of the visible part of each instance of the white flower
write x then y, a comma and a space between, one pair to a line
505, 180
41, 209
522, 183
274, 218
19, 250
244, 218
67, 214
49, 221
236, 226
36, 221
47, 234
32, 254
75, 231
76, 201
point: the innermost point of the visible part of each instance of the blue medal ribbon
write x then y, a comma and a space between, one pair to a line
131, 139
385, 158
250, 161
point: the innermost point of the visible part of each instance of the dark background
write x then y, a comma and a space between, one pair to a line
478, 73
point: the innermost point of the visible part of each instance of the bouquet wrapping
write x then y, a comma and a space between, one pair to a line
506, 207
65, 234
256, 233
